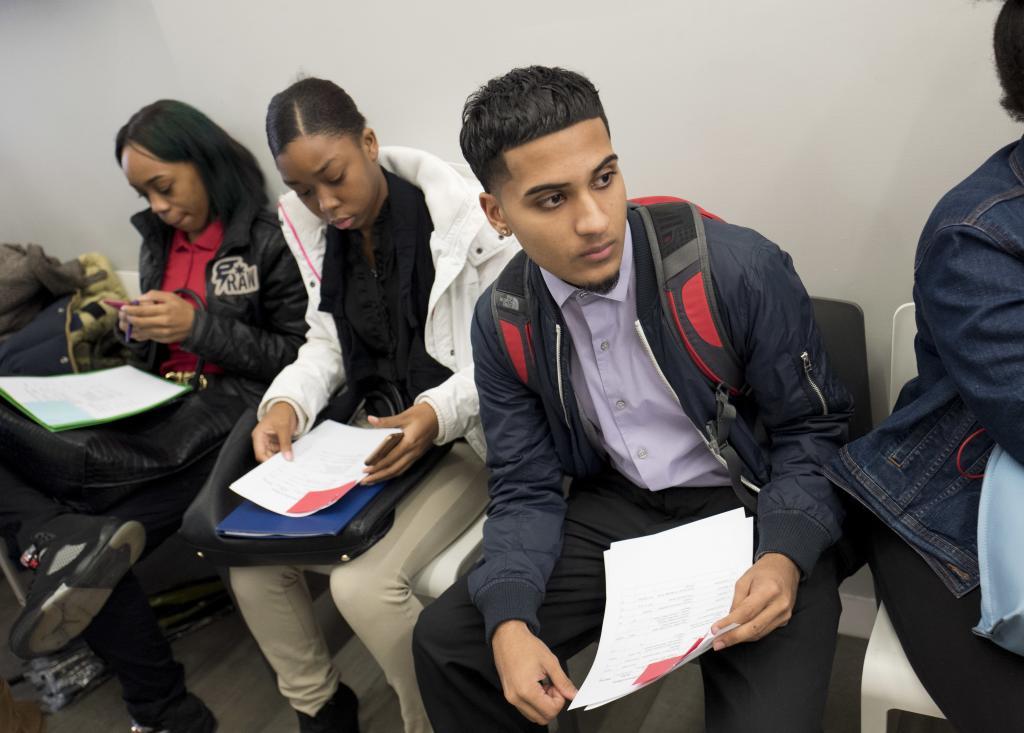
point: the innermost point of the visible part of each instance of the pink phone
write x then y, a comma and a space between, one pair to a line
115, 303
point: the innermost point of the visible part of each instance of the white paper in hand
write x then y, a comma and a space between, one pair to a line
663, 592
327, 463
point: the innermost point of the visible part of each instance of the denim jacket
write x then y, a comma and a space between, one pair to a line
917, 470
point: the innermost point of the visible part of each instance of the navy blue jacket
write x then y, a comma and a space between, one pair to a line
969, 297
534, 438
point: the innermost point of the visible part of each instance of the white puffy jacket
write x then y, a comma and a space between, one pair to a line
467, 257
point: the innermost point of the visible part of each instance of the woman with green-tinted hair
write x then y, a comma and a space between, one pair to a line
222, 309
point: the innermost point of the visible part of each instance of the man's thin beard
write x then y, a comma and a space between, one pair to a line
602, 288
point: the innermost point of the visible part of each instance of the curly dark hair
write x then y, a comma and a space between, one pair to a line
1009, 46
520, 106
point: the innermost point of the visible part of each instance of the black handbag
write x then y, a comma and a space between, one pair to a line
91, 469
215, 501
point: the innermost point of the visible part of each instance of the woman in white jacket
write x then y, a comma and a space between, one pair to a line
395, 251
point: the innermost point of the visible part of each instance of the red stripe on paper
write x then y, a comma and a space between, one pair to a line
314, 501
658, 669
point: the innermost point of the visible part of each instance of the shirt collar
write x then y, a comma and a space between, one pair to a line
208, 240
561, 291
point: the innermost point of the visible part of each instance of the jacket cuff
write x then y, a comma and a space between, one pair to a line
444, 422
507, 601
795, 535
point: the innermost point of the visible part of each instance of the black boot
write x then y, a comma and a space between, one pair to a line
339, 715
189, 715
78, 559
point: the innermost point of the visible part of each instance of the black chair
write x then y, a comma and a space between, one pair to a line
842, 328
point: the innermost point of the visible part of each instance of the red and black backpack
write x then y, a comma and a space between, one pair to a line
675, 232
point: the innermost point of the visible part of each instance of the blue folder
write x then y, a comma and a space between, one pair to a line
250, 520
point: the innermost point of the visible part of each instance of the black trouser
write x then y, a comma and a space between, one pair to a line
974, 682
779, 683
125, 633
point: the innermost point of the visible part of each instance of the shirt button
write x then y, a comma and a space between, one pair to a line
642, 453
581, 294
479, 250
621, 404
604, 346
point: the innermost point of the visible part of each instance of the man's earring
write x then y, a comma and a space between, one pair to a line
504, 232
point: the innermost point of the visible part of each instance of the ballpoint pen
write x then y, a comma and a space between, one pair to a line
128, 331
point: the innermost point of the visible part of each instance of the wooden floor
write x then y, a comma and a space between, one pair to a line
225, 668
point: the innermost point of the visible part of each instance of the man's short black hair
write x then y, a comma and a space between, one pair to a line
1009, 47
521, 106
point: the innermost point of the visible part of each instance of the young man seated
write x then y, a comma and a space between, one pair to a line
616, 402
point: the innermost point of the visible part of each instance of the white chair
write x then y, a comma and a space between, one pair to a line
888, 682
130, 281
454, 562
903, 361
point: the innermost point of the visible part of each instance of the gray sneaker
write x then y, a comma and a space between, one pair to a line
78, 559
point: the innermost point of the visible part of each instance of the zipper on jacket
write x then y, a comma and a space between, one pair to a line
650, 355
707, 442
558, 373
808, 373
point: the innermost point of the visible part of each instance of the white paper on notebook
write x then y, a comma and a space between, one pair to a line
66, 401
663, 592
327, 463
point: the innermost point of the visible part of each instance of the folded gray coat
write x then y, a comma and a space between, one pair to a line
29, 281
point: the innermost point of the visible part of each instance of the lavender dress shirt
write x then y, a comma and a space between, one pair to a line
642, 428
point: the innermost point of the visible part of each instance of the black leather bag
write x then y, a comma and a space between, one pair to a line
216, 500
91, 469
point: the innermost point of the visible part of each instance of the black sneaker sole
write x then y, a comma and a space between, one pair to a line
69, 609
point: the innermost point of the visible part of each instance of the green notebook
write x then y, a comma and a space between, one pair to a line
69, 401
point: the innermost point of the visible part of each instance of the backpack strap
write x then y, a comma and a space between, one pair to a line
510, 307
679, 248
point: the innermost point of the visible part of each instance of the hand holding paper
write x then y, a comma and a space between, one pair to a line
658, 613
273, 434
328, 463
531, 677
764, 600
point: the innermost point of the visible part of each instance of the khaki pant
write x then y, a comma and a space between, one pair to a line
373, 592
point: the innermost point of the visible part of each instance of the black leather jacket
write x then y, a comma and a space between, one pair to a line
254, 320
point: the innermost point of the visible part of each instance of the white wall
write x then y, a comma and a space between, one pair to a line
832, 127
